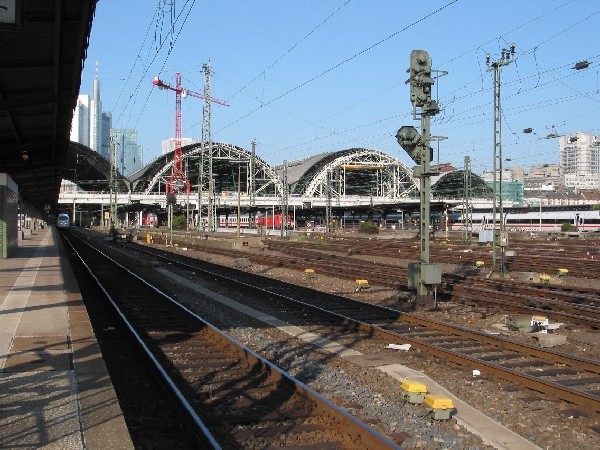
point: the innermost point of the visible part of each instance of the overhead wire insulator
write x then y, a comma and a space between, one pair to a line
582, 65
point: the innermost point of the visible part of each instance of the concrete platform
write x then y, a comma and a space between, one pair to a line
55, 391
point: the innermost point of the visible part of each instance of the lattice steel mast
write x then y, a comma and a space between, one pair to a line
508, 56
467, 211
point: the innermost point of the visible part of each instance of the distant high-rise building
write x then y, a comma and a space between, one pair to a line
509, 181
579, 159
80, 126
105, 135
579, 153
168, 145
96, 117
128, 152
545, 171
91, 126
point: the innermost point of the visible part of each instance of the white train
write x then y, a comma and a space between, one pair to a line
63, 221
524, 220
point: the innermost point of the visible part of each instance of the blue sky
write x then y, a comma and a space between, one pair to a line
306, 77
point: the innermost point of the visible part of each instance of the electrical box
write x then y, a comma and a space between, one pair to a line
486, 236
415, 391
441, 407
431, 273
503, 239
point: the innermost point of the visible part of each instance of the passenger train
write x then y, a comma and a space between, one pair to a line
529, 220
269, 221
150, 220
514, 220
63, 221
524, 220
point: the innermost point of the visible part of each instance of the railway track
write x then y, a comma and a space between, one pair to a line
578, 259
574, 305
568, 304
575, 380
232, 397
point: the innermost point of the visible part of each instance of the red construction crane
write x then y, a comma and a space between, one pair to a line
177, 181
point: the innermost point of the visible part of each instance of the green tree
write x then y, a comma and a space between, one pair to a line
368, 227
566, 226
179, 221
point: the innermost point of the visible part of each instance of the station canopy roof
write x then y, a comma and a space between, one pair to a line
43, 49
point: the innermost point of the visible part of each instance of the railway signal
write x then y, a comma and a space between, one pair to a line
410, 140
422, 275
420, 78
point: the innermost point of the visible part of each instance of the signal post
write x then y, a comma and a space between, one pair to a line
423, 276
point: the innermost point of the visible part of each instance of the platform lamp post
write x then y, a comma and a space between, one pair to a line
507, 57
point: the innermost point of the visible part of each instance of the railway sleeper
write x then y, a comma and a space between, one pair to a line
208, 357
579, 381
257, 393
552, 372
457, 345
232, 418
270, 432
528, 363
502, 356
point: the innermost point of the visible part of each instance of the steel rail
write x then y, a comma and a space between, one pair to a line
352, 429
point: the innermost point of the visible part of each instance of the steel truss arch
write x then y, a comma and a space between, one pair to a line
224, 156
359, 171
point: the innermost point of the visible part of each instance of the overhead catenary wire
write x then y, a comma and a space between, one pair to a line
338, 65
187, 8
477, 93
296, 44
453, 116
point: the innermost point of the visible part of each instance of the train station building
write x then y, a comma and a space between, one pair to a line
351, 181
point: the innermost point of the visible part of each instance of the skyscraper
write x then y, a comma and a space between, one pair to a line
128, 152
96, 117
91, 126
80, 126
105, 135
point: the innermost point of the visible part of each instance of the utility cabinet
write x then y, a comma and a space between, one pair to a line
431, 274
